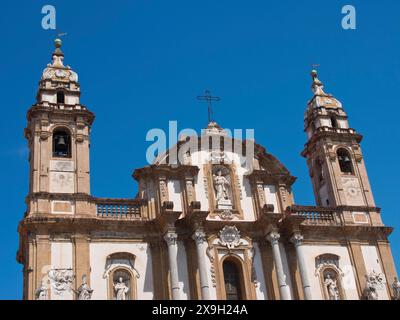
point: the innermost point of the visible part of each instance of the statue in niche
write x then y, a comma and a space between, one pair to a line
396, 289
84, 292
331, 287
221, 186
121, 289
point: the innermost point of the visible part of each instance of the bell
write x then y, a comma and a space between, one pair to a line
61, 142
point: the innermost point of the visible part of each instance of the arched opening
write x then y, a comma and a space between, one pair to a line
319, 170
61, 143
344, 161
232, 280
327, 268
121, 284
312, 126
60, 97
121, 274
334, 122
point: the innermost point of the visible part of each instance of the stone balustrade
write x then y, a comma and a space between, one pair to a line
119, 208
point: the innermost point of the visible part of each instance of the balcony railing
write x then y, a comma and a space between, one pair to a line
130, 209
315, 215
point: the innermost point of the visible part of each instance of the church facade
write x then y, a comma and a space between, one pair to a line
205, 227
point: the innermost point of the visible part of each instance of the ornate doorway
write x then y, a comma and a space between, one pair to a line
233, 287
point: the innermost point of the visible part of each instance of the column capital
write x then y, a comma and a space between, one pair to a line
296, 239
273, 237
170, 238
199, 236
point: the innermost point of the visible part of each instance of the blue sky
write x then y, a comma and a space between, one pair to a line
142, 63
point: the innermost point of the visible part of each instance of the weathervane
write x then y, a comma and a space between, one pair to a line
315, 66
207, 97
61, 34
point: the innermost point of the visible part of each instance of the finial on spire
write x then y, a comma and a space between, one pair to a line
314, 71
316, 82
58, 43
207, 97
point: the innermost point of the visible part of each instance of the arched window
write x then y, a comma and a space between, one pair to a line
344, 161
334, 122
312, 125
61, 143
319, 170
60, 97
232, 280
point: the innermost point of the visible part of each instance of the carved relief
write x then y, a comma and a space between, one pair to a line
374, 283
62, 182
218, 157
229, 237
253, 269
170, 238
199, 236
239, 187
352, 191
212, 268
163, 190
282, 190
61, 280
226, 214
190, 190
261, 196
205, 186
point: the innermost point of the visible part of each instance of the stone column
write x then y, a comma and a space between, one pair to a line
200, 238
296, 240
273, 237
171, 240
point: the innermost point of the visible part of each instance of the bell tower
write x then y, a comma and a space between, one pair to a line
333, 153
58, 132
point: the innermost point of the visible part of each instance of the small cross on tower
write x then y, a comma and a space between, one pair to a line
207, 97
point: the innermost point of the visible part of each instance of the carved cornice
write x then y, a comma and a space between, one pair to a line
271, 178
84, 197
69, 110
299, 208
168, 171
331, 134
167, 218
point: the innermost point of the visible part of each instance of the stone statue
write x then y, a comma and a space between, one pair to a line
331, 286
371, 289
221, 185
396, 289
84, 292
41, 293
121, 289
